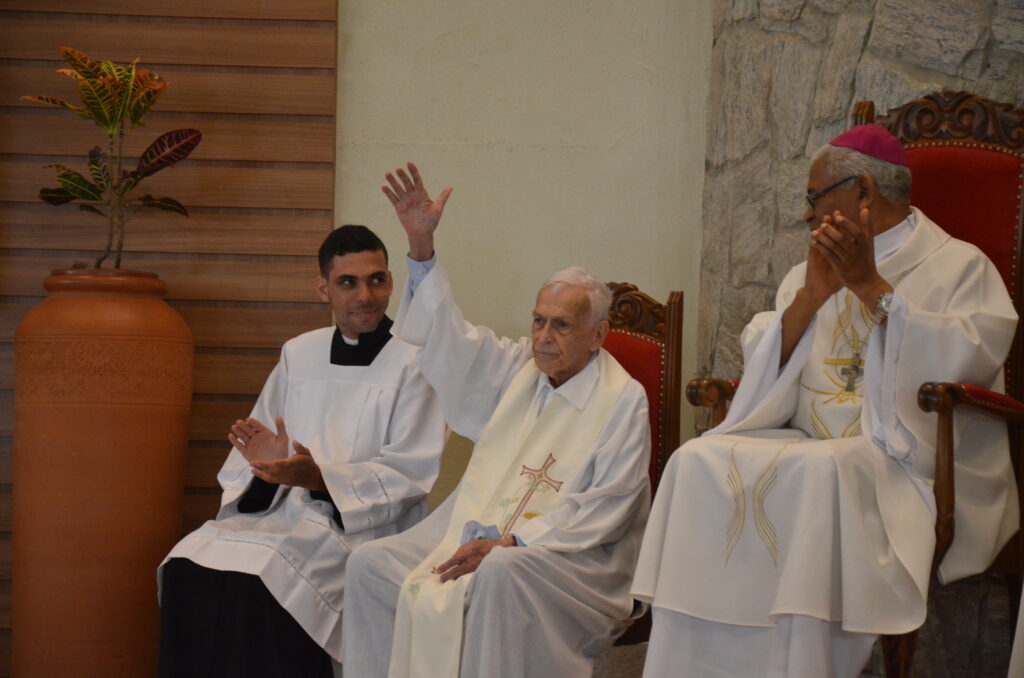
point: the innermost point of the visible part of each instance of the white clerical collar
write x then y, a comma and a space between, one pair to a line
576, 390
888, 242
350, 342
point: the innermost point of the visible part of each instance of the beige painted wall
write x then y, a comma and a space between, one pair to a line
573, 133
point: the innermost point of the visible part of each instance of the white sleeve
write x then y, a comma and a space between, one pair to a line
763, 382
378, 491
961, 337
468, 366
235, 476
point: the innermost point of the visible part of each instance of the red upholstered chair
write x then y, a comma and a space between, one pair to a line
966, 156
646, 338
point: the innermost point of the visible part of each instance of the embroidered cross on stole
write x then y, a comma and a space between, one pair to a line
428, 623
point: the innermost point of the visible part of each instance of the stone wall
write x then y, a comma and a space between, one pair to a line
785, 75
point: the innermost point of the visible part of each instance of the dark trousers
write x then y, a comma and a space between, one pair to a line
216, 624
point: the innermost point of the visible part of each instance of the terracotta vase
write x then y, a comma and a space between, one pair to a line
103, 384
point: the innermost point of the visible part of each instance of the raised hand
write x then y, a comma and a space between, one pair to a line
418, 213
298, 470
849, 249
256, 442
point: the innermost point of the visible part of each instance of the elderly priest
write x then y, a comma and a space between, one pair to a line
258, 591
783, 541
525, 569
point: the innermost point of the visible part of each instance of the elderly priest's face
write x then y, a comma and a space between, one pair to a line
562, 333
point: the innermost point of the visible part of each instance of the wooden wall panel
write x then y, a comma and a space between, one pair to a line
11, 312
249, 91
258, 79
267, 280
248, 327
33, 35
301, 10
203, 464
6, 417
220, 373
205, 231
287, 186
226, 136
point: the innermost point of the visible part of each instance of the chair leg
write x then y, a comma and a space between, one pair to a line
898, 652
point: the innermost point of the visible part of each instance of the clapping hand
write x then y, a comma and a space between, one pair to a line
849, 249
256, 442
267, 454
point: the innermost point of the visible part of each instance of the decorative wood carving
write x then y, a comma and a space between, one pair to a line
713, 393
635, 311
947, 116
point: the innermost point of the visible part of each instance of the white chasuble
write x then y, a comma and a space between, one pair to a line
813, 497
514, 475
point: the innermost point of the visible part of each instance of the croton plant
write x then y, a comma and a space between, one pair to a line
116, 97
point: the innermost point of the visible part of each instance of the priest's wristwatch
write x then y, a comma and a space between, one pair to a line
881, 311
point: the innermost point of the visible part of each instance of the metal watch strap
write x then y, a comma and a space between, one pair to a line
881, 311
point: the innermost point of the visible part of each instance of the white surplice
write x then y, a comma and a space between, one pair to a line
551, 606
831, 518
376, 432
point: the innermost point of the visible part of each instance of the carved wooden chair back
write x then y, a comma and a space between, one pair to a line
646, 338
966, 156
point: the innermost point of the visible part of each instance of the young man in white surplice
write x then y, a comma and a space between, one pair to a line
258, 590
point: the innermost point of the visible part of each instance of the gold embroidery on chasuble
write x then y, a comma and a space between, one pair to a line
539, 481
508, 479
759, 494
831, 386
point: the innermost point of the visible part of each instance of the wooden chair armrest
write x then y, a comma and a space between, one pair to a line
713, 393
942, 398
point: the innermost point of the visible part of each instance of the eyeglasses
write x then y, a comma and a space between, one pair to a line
818, 195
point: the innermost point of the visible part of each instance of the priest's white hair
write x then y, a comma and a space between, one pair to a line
597, 292
893, 181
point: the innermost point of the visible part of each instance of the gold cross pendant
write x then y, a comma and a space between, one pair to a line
853, 372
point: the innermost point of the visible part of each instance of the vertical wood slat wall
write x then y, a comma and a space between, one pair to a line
258, 79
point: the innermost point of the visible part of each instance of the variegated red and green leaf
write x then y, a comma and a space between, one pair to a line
123, 74
168, 149
93, 209
99, 167
82, 63
169, 204
125, 78
60, 103
102, 101
77, 185
71, 73
145, 91
55, 196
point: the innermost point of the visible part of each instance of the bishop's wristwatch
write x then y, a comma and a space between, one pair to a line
881, 311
